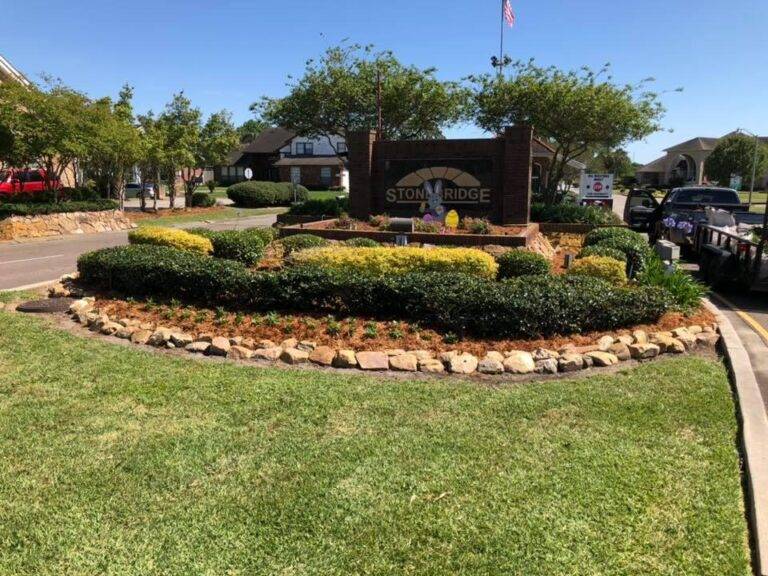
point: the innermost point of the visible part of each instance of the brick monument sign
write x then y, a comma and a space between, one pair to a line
480, 177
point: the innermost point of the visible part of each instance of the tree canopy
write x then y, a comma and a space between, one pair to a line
573, 111
249, 129
735, 154
338, 93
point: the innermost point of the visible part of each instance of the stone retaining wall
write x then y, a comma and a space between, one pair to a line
20, 227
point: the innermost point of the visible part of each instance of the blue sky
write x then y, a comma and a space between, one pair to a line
226, 54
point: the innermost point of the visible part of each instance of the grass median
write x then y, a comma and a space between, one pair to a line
118, 460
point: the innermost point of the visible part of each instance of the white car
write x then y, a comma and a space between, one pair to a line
133, 190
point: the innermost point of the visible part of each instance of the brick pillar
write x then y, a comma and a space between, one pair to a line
516, 175
360, 151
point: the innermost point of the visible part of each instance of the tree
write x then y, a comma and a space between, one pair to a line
338, 94
735, 154
151, 154
249, 129
573, 111
615, 162
44, 125
114, 144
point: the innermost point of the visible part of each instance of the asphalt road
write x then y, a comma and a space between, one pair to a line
36, 261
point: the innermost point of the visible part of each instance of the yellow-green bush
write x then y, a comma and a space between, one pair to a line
610, 269
172, 237
381, 261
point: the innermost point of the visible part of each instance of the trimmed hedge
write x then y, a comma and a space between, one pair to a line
203, 200
258, 194
629, 242
171, 237
362, 242
573, 214
526, 307
599, 234
321, 207
37, 209
385, 261
609, 269
522, 263
245, 246
603, 251
299, 242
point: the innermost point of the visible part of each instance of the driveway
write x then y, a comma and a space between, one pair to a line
36, 261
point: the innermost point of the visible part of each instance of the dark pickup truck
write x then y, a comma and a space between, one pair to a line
679, 213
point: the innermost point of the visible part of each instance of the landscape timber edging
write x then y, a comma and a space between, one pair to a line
315, 228
754, 434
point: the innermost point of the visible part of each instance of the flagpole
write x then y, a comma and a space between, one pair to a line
501, 42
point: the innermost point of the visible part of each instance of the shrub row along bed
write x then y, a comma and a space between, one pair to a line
532, 306
381, 261
573, 214
260, 194
37, 208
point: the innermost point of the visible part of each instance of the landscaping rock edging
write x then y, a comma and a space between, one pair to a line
607, 351
41, 226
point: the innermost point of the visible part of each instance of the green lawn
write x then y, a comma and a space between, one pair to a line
221, 192
119, 461
225, 214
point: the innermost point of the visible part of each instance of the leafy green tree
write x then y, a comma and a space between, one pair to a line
44, 125
249, 129
151, 154
615, 162
573, 111
735, 154
338, 94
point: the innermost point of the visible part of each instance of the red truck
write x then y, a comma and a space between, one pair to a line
28, 181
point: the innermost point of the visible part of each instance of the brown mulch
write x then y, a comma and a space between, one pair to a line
164, 212
355, 333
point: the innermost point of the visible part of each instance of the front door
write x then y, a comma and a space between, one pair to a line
639, 209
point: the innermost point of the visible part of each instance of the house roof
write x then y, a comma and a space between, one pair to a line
269, 141
655, 166
9, 72
698, 143
310, 161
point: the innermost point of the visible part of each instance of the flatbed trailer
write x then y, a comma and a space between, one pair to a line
725, 257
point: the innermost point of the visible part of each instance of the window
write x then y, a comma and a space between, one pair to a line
705, 196
325, 175
341, 147
240, 172
304, 148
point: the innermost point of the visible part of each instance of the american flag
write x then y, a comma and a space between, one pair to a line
509, 14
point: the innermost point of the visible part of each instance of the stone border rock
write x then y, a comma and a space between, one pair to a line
754, 435
607, 351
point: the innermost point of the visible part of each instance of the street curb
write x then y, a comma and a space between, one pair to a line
754, 440
33, 286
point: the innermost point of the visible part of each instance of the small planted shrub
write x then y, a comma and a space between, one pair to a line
603, 251
238, 245
171, 237
599, 234
430, 227
320, 207
362, 243
475, 225
211, 185
299, 242
604, 267
202, 200
634, 247
386, 261
522, 263
259, 194
343, 222
685, 290
380, 221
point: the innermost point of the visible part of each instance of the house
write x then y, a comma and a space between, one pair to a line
280, 155
684, 163
315, 162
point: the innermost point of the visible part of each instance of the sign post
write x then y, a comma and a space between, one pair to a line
596, 190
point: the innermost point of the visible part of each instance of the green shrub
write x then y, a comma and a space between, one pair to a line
171, 237
245, 246
573, 214
266, 234
202, 200
522, 263
475, 225
320, 207
211, 185
603, 251
300, 242
634, 247
254, 194
600, 234
362, 242
526, 307
432, 227
609, 269
37, 209
686, 292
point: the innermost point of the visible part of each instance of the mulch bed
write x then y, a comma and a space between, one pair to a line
355, 333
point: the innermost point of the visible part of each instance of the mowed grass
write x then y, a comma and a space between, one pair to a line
119, 461
229, 213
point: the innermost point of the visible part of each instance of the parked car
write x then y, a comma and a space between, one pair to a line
134, 190
676, 216
28, 181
